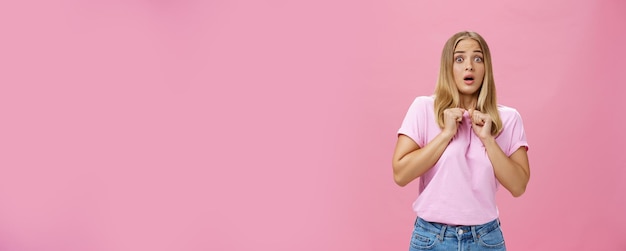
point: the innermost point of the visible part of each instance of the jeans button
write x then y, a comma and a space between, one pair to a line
460, 231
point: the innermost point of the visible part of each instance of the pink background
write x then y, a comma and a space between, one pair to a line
269, 125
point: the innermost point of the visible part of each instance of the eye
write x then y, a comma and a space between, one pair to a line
458, 59
478, 59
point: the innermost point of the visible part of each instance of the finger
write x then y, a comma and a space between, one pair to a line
472, 114
478, 119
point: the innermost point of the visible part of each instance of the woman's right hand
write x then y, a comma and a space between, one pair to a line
411, 161
452, 117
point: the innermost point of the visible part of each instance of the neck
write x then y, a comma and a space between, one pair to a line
468, 102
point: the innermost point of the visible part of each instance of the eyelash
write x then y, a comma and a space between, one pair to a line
476, 59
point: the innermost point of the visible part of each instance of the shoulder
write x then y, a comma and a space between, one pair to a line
426, 101
422, 105
508, 114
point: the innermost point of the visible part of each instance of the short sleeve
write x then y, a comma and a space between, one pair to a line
414, 121
517, 134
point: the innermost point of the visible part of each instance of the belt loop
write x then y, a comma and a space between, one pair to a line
443, 231
474, 233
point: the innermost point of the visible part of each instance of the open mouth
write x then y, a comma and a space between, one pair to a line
468, 80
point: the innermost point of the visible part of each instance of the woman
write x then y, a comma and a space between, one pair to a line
463, 146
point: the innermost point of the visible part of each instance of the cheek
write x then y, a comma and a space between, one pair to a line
458, 70
482, 76
481, 72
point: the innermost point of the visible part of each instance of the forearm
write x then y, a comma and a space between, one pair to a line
512, 175
412, 165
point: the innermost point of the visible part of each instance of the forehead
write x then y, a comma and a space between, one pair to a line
467, 45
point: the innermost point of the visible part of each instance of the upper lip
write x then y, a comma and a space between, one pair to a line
470, 76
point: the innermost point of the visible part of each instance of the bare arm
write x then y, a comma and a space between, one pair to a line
513, 172
410, 161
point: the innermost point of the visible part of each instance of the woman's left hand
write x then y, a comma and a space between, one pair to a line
481, 123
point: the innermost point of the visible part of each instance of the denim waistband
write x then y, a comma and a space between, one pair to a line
461, 232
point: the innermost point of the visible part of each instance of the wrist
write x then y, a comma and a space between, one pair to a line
447, 135
488, 140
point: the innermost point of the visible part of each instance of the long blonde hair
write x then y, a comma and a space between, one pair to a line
446, 92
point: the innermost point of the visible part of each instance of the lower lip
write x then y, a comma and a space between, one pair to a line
468, 82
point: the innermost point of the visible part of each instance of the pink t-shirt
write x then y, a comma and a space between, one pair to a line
461, 188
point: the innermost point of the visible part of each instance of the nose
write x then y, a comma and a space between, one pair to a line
469, 66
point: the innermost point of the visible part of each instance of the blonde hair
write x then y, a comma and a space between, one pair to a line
446, 92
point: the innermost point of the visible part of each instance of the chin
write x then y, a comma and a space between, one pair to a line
468, 89
469, 93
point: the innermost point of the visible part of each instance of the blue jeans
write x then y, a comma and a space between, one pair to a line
441, 237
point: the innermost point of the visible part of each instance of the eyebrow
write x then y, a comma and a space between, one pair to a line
464, 51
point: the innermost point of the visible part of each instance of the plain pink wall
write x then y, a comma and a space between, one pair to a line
269, 125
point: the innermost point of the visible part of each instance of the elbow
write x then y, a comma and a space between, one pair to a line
399, 180
396, 175
399, 174
517, 192
520, 189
